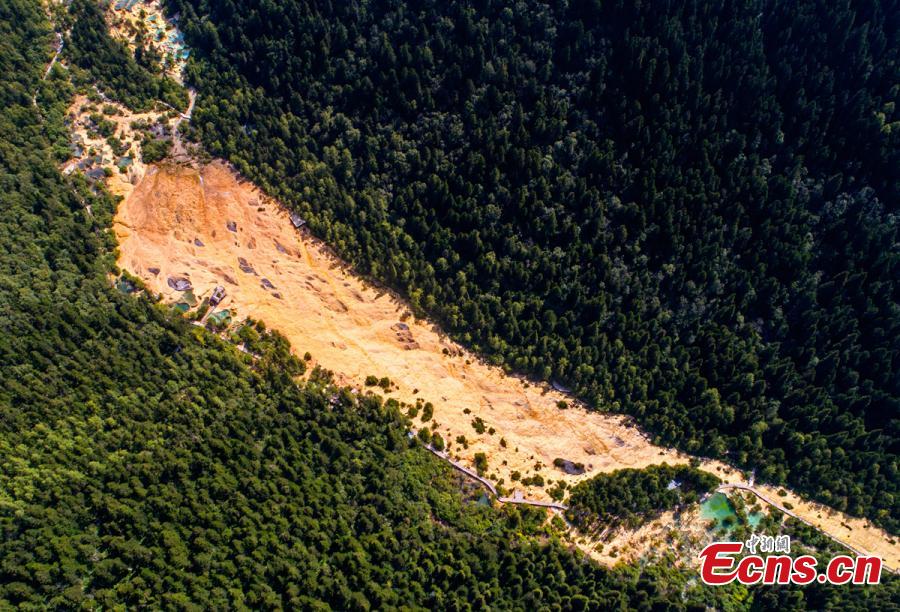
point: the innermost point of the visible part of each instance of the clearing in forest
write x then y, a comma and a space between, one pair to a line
211, 229
207, 227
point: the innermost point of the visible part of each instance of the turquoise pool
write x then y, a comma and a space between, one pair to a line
717, 508
221, 317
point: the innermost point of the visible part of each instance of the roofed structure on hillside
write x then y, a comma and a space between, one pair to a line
559, 387
297, 220
217, 295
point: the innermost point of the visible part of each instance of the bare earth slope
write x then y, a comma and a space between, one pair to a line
177, 221
351, 328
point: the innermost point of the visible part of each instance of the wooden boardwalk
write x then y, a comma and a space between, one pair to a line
516, 499
765, 498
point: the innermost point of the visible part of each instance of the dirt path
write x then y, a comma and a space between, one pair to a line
212, 229
489, 485
765, 498
179, 149
59, 47
812, 515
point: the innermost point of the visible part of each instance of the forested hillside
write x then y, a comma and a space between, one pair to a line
110, 64
630, 495
686, 211
144, 463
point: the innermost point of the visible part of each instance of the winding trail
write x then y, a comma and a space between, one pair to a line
192, 98
179, 150
765, 498
59, 47
774, 504
516, 499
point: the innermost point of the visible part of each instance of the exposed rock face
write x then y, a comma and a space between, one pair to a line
179, 284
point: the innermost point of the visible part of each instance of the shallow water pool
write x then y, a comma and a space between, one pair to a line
718, 508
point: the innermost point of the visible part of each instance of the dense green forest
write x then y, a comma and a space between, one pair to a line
145, 463
110, 64
629, 495
685, 211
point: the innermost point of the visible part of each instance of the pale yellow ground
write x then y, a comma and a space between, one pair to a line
347, 325
858, 533
350, 328
121, 182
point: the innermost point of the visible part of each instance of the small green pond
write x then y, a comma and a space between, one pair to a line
221, 317
718, 508
124, 285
